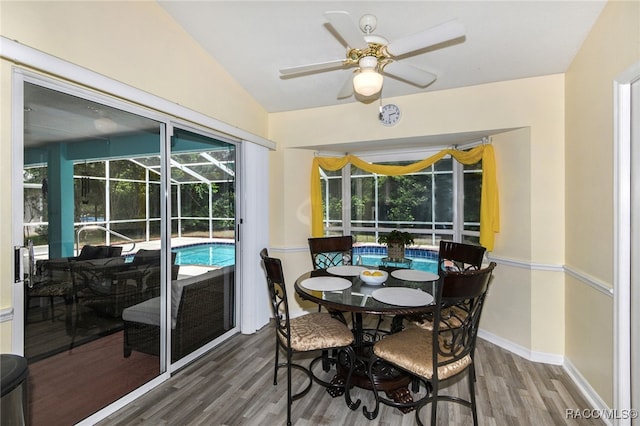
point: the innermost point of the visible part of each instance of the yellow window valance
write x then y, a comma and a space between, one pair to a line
489, 208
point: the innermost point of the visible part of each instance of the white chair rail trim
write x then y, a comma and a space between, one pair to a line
593, 282
6, 314
581, 276
517, 263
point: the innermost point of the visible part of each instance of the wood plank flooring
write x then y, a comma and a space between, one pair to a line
69, 386
233, 385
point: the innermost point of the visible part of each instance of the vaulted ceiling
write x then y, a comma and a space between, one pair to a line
504, 40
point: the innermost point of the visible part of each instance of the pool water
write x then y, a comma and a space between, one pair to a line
420, 264
212, 254
224, 254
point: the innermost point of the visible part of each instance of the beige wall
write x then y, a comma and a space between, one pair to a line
530, 175
137, 43
510, 292
612, 46
134, 42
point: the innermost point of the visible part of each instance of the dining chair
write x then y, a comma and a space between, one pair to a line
452, 256
446, 351
311, 332
459, 256
331, 251
335, 251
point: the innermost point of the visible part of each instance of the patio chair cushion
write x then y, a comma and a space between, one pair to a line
89, 252
202, 309
148, 312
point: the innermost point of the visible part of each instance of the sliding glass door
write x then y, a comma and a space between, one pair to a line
130, 226
84, 215
203, 240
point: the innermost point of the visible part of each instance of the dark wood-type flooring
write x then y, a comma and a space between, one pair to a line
66, 385
72, 385
233, 385
46, 335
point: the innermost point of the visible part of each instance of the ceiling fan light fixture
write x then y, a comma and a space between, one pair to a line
367, 82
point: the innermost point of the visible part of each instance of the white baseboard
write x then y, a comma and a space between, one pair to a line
592, 397
588, 392
525, 353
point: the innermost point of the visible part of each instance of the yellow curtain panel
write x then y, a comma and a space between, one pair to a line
489, 208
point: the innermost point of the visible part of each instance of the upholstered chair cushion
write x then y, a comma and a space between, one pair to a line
411, 349
318, 330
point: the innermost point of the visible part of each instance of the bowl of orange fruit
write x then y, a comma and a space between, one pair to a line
373, 276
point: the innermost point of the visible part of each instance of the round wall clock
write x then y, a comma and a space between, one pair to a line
389, 114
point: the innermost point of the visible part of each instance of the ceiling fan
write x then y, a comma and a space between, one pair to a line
375, 56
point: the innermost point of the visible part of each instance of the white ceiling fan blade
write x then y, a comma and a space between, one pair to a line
440, 33
321, 66
347, 88
347, 29
409, 73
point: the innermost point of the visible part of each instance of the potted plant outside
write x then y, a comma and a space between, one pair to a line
396, 241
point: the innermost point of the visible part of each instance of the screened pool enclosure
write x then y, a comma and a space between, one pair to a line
123, 195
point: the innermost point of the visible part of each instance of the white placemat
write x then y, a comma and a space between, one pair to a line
325, 283
402, 296
346, 270
414, 275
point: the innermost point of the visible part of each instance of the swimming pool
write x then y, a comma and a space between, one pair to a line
419, 264
223, 254
211, 254
422, 259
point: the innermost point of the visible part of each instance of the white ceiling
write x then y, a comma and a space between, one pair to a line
505, 40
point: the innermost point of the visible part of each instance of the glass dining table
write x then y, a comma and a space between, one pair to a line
340, 289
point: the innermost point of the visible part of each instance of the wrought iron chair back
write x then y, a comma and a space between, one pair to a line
277, 295
459, 256
456, 329
331, 251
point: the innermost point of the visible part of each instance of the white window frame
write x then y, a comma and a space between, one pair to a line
457, 233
